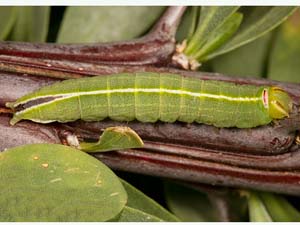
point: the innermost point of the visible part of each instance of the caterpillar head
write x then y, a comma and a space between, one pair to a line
279, 102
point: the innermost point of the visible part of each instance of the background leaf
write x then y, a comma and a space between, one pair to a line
134, 215
7, 19
189, 205
265, 207
188, 23
257, 209
258, 22
279, 208
103, 24
219, 36
211, 17
284, 59
44, 182
31, 24
248, 60
137, 200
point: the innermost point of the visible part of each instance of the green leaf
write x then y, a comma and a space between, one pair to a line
103, 24
189, 205
260, 21
137, 200
279, 208
188, 24
284, 59
219, 36
114, 138
257, 209
211, 17
44, 182
7, 19
134, 215
248, 60
31, 24
266, 207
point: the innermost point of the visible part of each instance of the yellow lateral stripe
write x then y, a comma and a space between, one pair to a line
138, 90
146, 90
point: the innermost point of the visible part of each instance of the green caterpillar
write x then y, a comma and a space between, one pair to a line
149, 97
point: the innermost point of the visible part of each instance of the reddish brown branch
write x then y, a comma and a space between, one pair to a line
201, 162
272, 139
170, 166
155, 48
73, 60
163, 164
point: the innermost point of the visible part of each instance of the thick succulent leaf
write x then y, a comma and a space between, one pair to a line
114, 138
44, 182
279, 208
189, 205
188, 24
257, 23
31, 24
211, 17
7, 19
134, 215
219, 36
248, 60
137, 200
257, 209
284, 59
103, 24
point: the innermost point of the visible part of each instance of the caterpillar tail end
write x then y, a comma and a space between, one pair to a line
10, 105
280, 103
14, 120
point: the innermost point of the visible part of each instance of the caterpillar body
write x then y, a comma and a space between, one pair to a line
149, 97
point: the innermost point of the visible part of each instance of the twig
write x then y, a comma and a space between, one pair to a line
272, 139
155, 48
164, 164
179, 167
